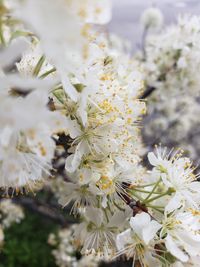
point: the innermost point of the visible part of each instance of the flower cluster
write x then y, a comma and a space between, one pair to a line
171, 69
152, 18
65, 250
10, 213
167, 234
26, 144
75, 85
72, 98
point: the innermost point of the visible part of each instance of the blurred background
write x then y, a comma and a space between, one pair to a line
127, 13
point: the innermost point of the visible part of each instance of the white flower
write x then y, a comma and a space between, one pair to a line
93, 11
182, 63
11, 212
12, 52
82, 195
99, 140
30, 59
58, 45
182, 234
64, 249
26, 146
98, 231
177, 176
89, 260
137, 242
172, 67
152, 18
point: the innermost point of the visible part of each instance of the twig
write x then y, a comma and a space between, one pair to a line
148, 92
47, 211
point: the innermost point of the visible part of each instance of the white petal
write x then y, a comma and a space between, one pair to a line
123, 238
73, 128
152, 159
139, 222
11, 53
95, 215
118, 219
175, 250
150, 231
174, 203
69, 88
82, 109
72, 162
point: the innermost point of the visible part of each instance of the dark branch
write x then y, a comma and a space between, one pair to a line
148, 92
47, 211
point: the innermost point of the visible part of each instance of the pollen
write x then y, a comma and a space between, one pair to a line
129, 120
194, 212
105, 183
42, 150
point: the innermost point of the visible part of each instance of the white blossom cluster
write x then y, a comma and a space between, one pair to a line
152, 18
10, 213
69, 87
171, 66
65, 250
169, 233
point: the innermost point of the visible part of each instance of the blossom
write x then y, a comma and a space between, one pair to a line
26, 148
98, 231
182, 234
136, 241
64, 250
82, 195
10, 213
171, 67
177, 175
93, 11
73, 105
58, 45
152, 18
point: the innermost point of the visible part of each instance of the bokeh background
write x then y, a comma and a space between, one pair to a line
126, 15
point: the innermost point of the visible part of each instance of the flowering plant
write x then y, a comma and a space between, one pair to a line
68, 97
171, 73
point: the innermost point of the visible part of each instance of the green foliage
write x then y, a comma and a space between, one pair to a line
26, 243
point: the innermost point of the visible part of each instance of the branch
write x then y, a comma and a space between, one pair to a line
47, 211
148, 92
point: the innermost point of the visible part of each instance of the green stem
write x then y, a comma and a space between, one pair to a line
153, 190
161, 211
98, 202
38, 66
154, 207
2, 39
117, 206
138, 197
44, 75
143, 191
105, 211
158, 208
154, 198
146, 185
109, 208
